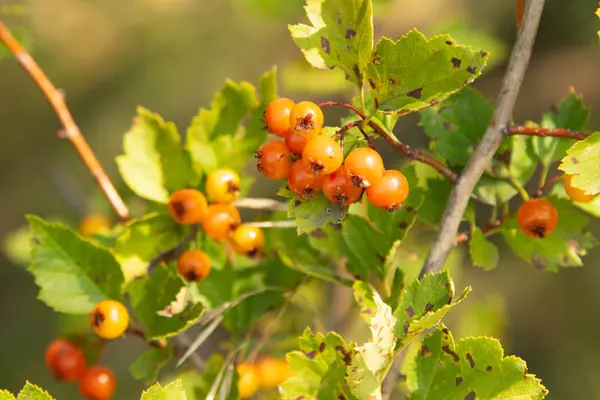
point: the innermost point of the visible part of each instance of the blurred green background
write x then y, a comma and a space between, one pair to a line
171, 55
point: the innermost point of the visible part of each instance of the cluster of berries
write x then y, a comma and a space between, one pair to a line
312, 162
220, 220
265, 373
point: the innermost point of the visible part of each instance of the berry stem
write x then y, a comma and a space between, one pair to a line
547, 185
342, 104
520, 189
71, 131
173, 253
547, 132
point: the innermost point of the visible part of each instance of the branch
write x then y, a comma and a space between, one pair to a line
274, 224
260, 204
494, 135
546, 132
174, 252
520, 7
71, 131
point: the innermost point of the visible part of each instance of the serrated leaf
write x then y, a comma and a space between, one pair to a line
562, 248
415, 73
151, 294
154, 164
73, 274
583, 161
147, 366
341, 36
5, 394
493, 190
483, 252
523, 162
472, 368
33, 392
171, 391
314, 213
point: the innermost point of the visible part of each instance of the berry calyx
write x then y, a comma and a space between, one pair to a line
364, 166
223, 185
248, 240
574, 193
306, 119
193, 265
339, 190
65, 360
94, 224
98, 383
221, 220
303, 181
272, 372
187, 206
537, 218
390, 192
324, 154
248, 381
277, 116
109, 319
295, 143
274, 160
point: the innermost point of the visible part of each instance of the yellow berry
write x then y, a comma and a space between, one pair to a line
248, 382
93, 224
109, 319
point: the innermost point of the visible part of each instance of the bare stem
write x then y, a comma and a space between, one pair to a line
546, 132
260, 204
274, 224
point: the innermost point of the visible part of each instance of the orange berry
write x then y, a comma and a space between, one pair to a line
574, 193
109, 319
303, 181
537, 218
364, 166
339, 190
248, 240
193, 265
274, 160
277, 116
295, 143
223, 185
272, 372
98, 383
93, 224
187, 206
324, 154
390, 192
306, 119
221, 220
248, 381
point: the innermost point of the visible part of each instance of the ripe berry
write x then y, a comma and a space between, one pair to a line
277, 116
109, 319
248, 240
574, 193
93, 224
98, 383
306, 119
187, 206
193, 265
221, 220
390, 192
248, 381
272, 372
65, 360
324, 154
223, 185
303, 181
274, 160
537, 218
295, 143
339, 190
364, 166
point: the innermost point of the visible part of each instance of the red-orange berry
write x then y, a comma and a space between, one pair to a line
277, 116
324, 154
339, 190
65, 360
390, 192
306, 119
537, 218
98, 383
574, 193
221, 220
223, 185
274, 160
303, 181
193, 265
295, 143
364, 166
187, 206
248, 240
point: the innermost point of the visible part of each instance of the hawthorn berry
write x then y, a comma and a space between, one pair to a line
272, 372
223, 185
193, 265
187, 206
248, 383
574, 193
65, 360
248, 240
274, 160
303, 181
324, 154
277, 116
109, 319
221, 220
295, 143
390, 192
306, 119
339, 190
537, 218
93, 224
98, 383
364, 166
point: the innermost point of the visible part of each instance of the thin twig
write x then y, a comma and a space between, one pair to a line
260, 204
71, 131
520, 7
274, 224
342, 104
135, 331
459, 197
546, 132
173, 253
547, 185
184, 342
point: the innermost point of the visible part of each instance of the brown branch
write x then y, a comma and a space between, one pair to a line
461, 192
547, 185
546, 132
71, 131
342, 104
520, 7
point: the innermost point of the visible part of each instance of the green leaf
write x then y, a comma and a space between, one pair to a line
341, 36
472, 368
583, 161
5, 394
74, 274
483, 252
372, 360
32, 392
300, 77
493, 190
314, 213
171, 391
432, 209
415, 73
17, 246
153, 293
523, 162
562, 248
148, 365
154, 164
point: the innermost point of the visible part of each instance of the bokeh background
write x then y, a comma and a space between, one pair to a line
171, 56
